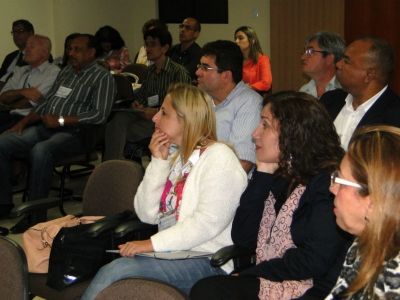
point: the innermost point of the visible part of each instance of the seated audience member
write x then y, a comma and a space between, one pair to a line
198, 189
83, 93
115, 53
367, 204
286, 213
29, 84
237, 108
256, 65
141, 56
365, 97
21, 30
67, 46
322, 51
188, 52
133, 127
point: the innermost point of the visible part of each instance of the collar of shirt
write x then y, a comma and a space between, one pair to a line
88, 67
166, 66
42, 67
363, 108
194, 157
311, 86
188, 50
237, 90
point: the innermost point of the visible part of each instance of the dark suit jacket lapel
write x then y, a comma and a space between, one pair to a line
376, 111
334, 102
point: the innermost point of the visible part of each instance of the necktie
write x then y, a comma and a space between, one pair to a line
20, 59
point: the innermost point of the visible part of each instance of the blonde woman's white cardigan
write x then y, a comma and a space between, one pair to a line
209, 201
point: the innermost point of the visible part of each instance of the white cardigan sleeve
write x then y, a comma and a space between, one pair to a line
148, 196
209, 201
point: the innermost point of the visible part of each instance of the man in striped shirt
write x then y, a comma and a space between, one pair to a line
132, 127
82, 94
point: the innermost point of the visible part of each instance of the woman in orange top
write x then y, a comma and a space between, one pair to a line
256, 65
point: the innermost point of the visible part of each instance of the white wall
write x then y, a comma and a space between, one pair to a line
59, 18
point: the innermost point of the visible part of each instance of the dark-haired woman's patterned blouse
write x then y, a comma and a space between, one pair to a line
387, 285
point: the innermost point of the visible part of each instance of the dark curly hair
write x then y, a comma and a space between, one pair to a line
308, 141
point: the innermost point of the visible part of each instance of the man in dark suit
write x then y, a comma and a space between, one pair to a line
21, 30
365, 97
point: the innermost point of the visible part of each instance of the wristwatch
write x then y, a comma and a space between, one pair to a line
61, 121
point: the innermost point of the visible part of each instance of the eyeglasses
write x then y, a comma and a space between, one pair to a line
308, 52
187, 27
150, 45
206, 69
336, 179
14, 32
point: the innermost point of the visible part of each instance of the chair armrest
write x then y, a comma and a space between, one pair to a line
123, 101
132, 227
223, 255
34, 206
101, 226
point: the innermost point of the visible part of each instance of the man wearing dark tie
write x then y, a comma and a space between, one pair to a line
21, 30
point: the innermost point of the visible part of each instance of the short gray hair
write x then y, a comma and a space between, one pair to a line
329, 42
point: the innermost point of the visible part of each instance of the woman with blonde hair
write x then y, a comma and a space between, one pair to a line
191, 195
256, 65
367, 204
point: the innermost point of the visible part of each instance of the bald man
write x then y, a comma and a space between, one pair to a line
30, 83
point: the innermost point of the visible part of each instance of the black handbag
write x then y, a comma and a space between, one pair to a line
79, 252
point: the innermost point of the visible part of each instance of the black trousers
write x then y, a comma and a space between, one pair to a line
226, 287
231, 288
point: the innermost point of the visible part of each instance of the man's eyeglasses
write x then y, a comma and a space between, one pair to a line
187, 27
150, 45
308, 52
206, 69
18, 31
336, 179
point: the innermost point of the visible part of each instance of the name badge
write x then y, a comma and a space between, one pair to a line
153, 101
63, 92
166, 221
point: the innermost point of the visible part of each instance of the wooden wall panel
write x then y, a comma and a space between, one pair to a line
292, 21
378, 18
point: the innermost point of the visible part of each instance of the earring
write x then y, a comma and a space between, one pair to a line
366, 219
203, 141
290, 161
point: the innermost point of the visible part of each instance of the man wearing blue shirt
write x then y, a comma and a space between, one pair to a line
237, 107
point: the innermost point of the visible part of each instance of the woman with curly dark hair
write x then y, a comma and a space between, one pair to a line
286, 213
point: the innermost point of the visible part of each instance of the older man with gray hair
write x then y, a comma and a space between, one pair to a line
322, 51
30, 83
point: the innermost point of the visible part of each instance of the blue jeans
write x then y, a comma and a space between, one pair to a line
41, 147
181, 273
9, 120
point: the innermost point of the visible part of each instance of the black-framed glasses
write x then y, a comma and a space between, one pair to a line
308, 52
206, 69
187, 27
151, 44
18, 31
336, 179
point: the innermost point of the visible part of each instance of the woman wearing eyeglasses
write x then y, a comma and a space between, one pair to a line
256, 65
286, 213
367, 205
